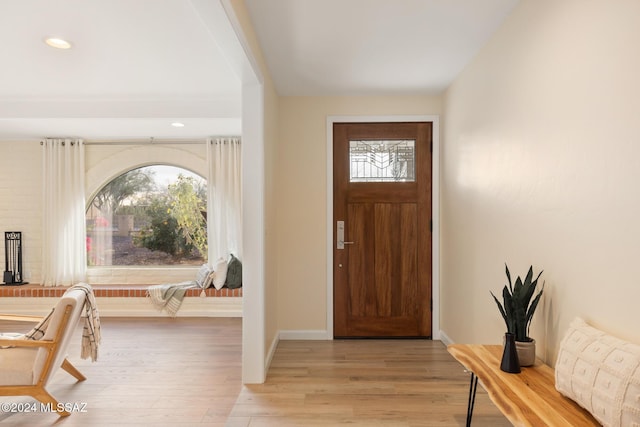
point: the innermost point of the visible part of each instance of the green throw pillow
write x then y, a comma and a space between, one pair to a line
234, 273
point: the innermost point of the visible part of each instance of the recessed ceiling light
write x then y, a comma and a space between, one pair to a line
58, 43
177, 125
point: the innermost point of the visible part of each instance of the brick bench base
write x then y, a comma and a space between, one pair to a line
35, 290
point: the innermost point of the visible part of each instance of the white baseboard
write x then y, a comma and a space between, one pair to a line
322, 335
131, 307
445, 338
271, 352
309, 335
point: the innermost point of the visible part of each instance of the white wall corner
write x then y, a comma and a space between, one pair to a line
445, 338
271, 352
309, 335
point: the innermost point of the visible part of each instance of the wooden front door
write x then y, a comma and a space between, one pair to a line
382, 229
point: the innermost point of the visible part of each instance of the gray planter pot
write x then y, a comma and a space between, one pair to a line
526, 352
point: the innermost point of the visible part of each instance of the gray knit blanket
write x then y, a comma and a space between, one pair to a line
91, 334
169, 296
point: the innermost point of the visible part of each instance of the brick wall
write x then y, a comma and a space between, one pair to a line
21, 201
21, 198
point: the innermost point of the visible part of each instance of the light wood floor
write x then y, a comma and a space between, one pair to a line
362, 383
186, 372
150, 372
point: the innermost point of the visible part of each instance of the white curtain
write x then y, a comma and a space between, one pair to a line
64, 232
224, 198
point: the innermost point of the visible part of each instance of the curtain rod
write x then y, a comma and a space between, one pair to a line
153, 141
150, 141
147, 141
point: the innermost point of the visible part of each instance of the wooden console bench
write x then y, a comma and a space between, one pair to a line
526, 399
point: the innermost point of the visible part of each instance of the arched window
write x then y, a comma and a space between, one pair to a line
153, 215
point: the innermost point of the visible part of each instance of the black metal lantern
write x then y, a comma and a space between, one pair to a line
13, 258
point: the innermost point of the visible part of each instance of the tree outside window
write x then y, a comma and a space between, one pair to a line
154, 215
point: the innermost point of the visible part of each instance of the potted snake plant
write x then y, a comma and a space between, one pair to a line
517, 309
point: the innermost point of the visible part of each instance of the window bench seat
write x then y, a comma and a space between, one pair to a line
123, 301
105, 291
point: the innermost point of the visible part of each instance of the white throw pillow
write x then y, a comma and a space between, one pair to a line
601, 373
220, 276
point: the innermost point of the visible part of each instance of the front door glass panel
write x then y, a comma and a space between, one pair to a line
382, 161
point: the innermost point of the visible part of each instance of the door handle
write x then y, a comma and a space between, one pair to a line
340, 236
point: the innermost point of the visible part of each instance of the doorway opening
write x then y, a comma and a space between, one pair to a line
389, 243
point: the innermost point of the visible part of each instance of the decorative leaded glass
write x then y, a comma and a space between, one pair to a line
382, 161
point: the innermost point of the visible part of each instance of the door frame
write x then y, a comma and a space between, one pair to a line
435, 210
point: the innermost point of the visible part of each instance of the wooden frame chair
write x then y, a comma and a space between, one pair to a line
28, 365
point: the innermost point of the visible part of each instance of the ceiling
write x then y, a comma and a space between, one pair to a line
364, 47
136, 66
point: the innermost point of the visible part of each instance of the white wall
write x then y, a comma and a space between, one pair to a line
540, 166
302, 198
260, 333
21, 201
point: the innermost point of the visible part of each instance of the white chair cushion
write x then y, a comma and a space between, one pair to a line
601, 373
75, 298
16, 366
